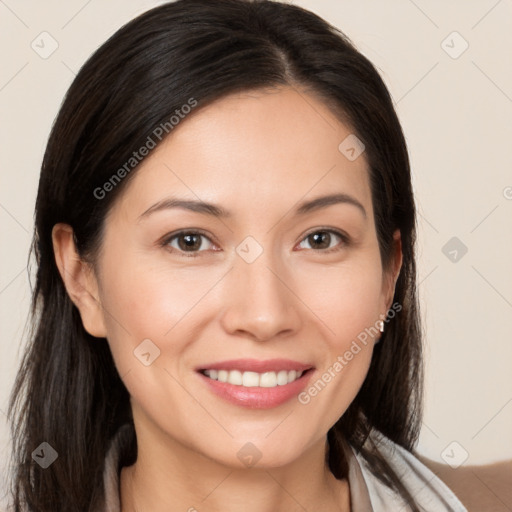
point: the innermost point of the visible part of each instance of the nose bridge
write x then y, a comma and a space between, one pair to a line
260, 302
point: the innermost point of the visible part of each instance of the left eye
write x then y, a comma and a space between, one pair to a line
322, 240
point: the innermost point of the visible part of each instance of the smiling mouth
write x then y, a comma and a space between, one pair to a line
255, 379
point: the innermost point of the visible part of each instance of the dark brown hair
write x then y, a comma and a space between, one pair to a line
68, 392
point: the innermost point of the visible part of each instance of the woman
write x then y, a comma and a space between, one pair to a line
225, 306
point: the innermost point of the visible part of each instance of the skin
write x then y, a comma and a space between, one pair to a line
257, 155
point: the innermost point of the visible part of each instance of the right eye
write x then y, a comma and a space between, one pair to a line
188, 243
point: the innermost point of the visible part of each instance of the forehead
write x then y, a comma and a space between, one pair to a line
257, 150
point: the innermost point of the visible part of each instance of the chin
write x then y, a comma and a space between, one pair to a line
260, 453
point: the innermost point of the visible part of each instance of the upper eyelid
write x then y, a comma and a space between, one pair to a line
338, 232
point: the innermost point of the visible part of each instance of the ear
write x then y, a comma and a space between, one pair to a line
390, 276
79, 280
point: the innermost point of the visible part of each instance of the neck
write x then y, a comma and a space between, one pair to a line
168, 476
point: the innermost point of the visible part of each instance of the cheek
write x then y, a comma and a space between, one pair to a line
330, 393
346, 298
347, 301
145, 298
148, 308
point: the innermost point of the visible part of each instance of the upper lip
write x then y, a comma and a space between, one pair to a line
256, 365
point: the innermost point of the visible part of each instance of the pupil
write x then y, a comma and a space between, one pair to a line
190, 242
317, 237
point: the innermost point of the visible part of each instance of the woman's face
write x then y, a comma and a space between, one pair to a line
267, 282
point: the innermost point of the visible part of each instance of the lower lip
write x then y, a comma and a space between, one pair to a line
257, 397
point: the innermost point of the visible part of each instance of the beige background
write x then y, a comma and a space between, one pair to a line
456, 114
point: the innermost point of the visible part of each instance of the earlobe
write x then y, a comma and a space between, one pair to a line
79, 280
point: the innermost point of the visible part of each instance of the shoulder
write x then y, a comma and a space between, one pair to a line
429, 492
486, 487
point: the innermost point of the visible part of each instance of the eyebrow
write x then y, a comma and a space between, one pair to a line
324, 201
218, 211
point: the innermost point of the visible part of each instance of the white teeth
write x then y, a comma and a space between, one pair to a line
282, 378
235, 377
249, 379
253, 379
268, 380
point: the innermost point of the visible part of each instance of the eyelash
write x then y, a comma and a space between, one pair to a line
345, 239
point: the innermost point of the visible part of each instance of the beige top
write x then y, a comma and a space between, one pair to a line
367, 492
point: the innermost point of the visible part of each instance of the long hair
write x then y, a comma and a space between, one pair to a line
67, 391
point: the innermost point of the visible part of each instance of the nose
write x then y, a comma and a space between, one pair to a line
261, 303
